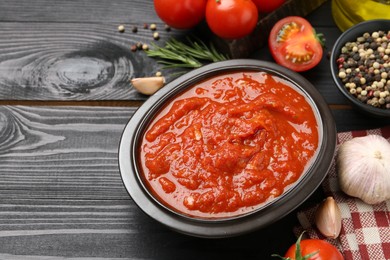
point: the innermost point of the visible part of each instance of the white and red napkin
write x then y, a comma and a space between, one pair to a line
365, 232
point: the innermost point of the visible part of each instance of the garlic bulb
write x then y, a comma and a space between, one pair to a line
328, 218
363, 165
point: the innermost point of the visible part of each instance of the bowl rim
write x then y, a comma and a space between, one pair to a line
236, 226
350, 35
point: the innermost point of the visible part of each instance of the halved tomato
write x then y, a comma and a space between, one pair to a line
294, 44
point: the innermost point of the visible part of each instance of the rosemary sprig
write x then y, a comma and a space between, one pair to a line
172, 55
177, 54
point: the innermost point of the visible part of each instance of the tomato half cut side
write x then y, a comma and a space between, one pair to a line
294, 44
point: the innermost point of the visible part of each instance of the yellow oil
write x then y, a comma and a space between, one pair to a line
347, 13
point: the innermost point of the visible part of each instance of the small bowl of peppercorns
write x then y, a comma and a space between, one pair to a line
360, 66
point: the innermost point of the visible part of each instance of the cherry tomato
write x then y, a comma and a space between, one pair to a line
312, 249
231, 19
294, 44
267, 6
320, 249
180, 14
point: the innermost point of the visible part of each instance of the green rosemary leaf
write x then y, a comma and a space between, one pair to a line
168, 64
177, 54
172, 55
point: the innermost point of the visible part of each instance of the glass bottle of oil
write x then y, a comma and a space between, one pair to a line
347, 13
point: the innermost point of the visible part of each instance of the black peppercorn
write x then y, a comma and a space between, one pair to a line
356, 57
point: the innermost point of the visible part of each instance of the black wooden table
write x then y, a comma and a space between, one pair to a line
65, 98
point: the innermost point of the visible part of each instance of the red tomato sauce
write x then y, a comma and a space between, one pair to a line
228, 145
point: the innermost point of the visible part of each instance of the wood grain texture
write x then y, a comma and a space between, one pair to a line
71, 50
64, 72
82, 56
98, 11
76, 58
61, 152
62, 195
59, 179
72, 61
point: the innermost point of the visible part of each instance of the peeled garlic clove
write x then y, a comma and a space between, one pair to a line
328, 218
148, 85
363, 168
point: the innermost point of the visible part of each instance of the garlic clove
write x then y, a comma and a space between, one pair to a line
328, 218
148, 85
363, 167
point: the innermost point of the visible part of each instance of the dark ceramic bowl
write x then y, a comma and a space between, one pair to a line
272, 211
350, 35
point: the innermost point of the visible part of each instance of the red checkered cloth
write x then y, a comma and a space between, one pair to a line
365, 232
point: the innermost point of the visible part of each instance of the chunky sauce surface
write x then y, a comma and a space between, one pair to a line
228, 144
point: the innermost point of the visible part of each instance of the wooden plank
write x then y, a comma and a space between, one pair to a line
71, 227
60, 186
138, 238
62, 196
92, 61
61, 152
353, 119
73, 61
72, 50
70, 62
99, 11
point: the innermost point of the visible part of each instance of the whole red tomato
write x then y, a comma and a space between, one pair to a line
267, 6
180, 14
231, 19
320, 249
312, 249
294, 44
